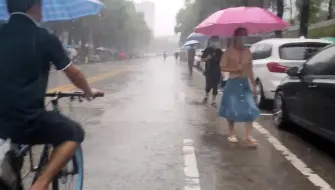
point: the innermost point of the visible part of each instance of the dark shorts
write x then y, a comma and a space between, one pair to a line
50, 128
212, 83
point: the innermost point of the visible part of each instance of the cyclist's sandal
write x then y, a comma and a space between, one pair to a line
233, 139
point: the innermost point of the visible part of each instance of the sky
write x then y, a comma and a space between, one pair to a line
165, 20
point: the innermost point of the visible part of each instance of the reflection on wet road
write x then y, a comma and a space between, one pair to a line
151, 131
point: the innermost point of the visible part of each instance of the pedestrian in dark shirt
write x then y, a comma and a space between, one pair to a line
26, 51
176, 55
212, 55
191, 55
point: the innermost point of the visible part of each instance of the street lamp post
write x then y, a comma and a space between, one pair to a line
304, 18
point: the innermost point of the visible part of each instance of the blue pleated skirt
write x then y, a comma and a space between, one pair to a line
238, 103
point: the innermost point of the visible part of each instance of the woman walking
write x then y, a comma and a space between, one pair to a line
238, 104
211, 56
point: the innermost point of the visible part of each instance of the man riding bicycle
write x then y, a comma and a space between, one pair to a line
26, 52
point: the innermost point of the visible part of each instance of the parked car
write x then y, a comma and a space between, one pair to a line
272, 57
104, 54
307, 95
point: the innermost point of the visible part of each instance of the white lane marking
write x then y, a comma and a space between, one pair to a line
266, 114
191, 169
315, 179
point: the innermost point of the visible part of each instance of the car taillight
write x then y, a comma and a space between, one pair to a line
276, 67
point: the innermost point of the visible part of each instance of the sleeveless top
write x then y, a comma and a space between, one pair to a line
234, 59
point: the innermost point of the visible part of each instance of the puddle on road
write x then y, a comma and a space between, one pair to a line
196, 103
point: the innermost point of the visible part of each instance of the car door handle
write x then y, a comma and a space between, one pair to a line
312, 86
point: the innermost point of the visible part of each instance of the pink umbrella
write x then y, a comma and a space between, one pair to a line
254, 19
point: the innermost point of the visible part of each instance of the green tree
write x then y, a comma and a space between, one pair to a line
330, 9
118, 26
315, 7
186, 18
121, 27
193, 13
280, 13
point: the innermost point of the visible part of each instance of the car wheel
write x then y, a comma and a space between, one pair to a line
280, 116
260, 99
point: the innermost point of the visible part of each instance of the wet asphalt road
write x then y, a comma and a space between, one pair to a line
151, 131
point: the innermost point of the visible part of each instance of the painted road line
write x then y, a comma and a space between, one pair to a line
90, 80
191, 169
266, 114
314, 178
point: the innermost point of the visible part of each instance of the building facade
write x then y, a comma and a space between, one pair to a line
148, 9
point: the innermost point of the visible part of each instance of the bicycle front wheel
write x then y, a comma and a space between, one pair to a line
72, 175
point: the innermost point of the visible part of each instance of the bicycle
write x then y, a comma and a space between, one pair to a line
18, 152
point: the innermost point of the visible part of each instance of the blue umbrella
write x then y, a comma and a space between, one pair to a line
185, 47
197, 36
191, 42
55, 10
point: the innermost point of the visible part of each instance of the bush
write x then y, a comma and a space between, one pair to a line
317, 30
328, 31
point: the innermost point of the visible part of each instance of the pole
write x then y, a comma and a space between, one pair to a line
330, 10
304, 17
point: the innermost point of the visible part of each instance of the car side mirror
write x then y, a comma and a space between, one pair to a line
293, 72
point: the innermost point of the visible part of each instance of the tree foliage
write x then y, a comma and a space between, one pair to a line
119, 26
315, 8
186, 19
193, 13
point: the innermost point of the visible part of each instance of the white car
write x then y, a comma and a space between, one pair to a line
272, 57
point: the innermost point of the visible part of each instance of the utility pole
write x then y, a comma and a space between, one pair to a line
304, 18
280, 13
245, 3
330, 10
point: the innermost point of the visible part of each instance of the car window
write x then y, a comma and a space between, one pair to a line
323, 63
267, 51
300, 51
262, 51
258, 52
253, 51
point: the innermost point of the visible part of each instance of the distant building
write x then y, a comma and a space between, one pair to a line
148, 9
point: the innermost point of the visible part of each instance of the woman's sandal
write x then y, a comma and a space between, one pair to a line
232, 139
251, 142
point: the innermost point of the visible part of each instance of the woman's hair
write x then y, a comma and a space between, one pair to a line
236, 34
238, 30
212, 39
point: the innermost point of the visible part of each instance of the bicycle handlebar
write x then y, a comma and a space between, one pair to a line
70, 95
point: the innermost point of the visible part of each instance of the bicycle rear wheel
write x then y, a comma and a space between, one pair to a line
72, 175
